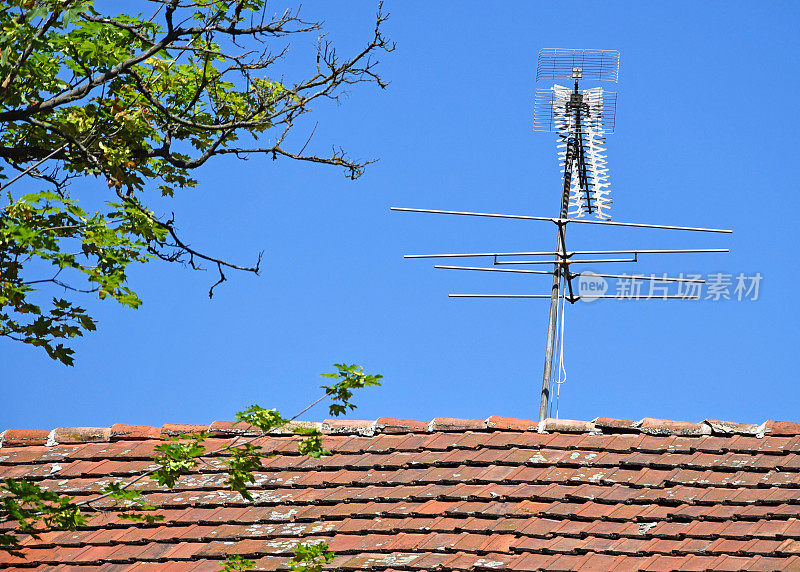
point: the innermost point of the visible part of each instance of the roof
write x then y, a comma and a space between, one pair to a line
450, 494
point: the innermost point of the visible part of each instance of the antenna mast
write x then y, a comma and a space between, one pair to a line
581, 118
567, 114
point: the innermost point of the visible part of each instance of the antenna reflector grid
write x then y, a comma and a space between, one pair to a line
550, 113
563, 63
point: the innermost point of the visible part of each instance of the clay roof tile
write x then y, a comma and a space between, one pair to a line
456, 493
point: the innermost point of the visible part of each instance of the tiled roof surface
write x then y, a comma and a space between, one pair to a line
452, 494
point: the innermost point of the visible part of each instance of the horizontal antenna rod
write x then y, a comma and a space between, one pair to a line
569, 253
471, 254
571, 298
624, 276
656, 251
596, 260
563, 220
498, 269
548, 296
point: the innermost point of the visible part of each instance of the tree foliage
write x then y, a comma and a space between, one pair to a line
34, 508
310, 557
350, 377
139, 101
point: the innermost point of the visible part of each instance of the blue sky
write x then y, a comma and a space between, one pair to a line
706, 133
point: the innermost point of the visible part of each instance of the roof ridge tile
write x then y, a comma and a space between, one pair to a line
393, 425
234, 428
349, 427
75, 435
616, 425
511, 424
456, 424
551, 425
386, 425
732, 428
781, 428
174, 429
23, 437
653, 426
121, 431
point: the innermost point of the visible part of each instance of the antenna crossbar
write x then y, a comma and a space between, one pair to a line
563, 221
651, 251
572, 275
575, 298
645, 277
596, 260
513, 270
569, 253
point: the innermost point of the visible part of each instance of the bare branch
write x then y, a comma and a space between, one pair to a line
184, 129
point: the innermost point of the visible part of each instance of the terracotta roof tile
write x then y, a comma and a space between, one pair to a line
23, 437
451, 424
566, 426
615, 424
72, 435
782, 428
667, 427
174, 429
564, 440
728, 427
230, 428
366, 428
453, 493
530, 561
391, 425
500, 423
765, 563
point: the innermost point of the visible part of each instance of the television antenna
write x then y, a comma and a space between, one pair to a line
581, 118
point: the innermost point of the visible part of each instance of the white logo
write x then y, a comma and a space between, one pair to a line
591, 286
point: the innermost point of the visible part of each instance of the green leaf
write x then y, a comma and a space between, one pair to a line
350, 377
264, 419
134, 506
312, 445
143, 122
145, 518
31, 507
310, 557
235, 562
244, 460
178, 458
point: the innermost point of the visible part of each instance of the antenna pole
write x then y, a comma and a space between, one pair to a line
551, 323
581, 119
573, 145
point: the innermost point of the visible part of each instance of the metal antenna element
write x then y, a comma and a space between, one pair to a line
581, 118
595, 65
